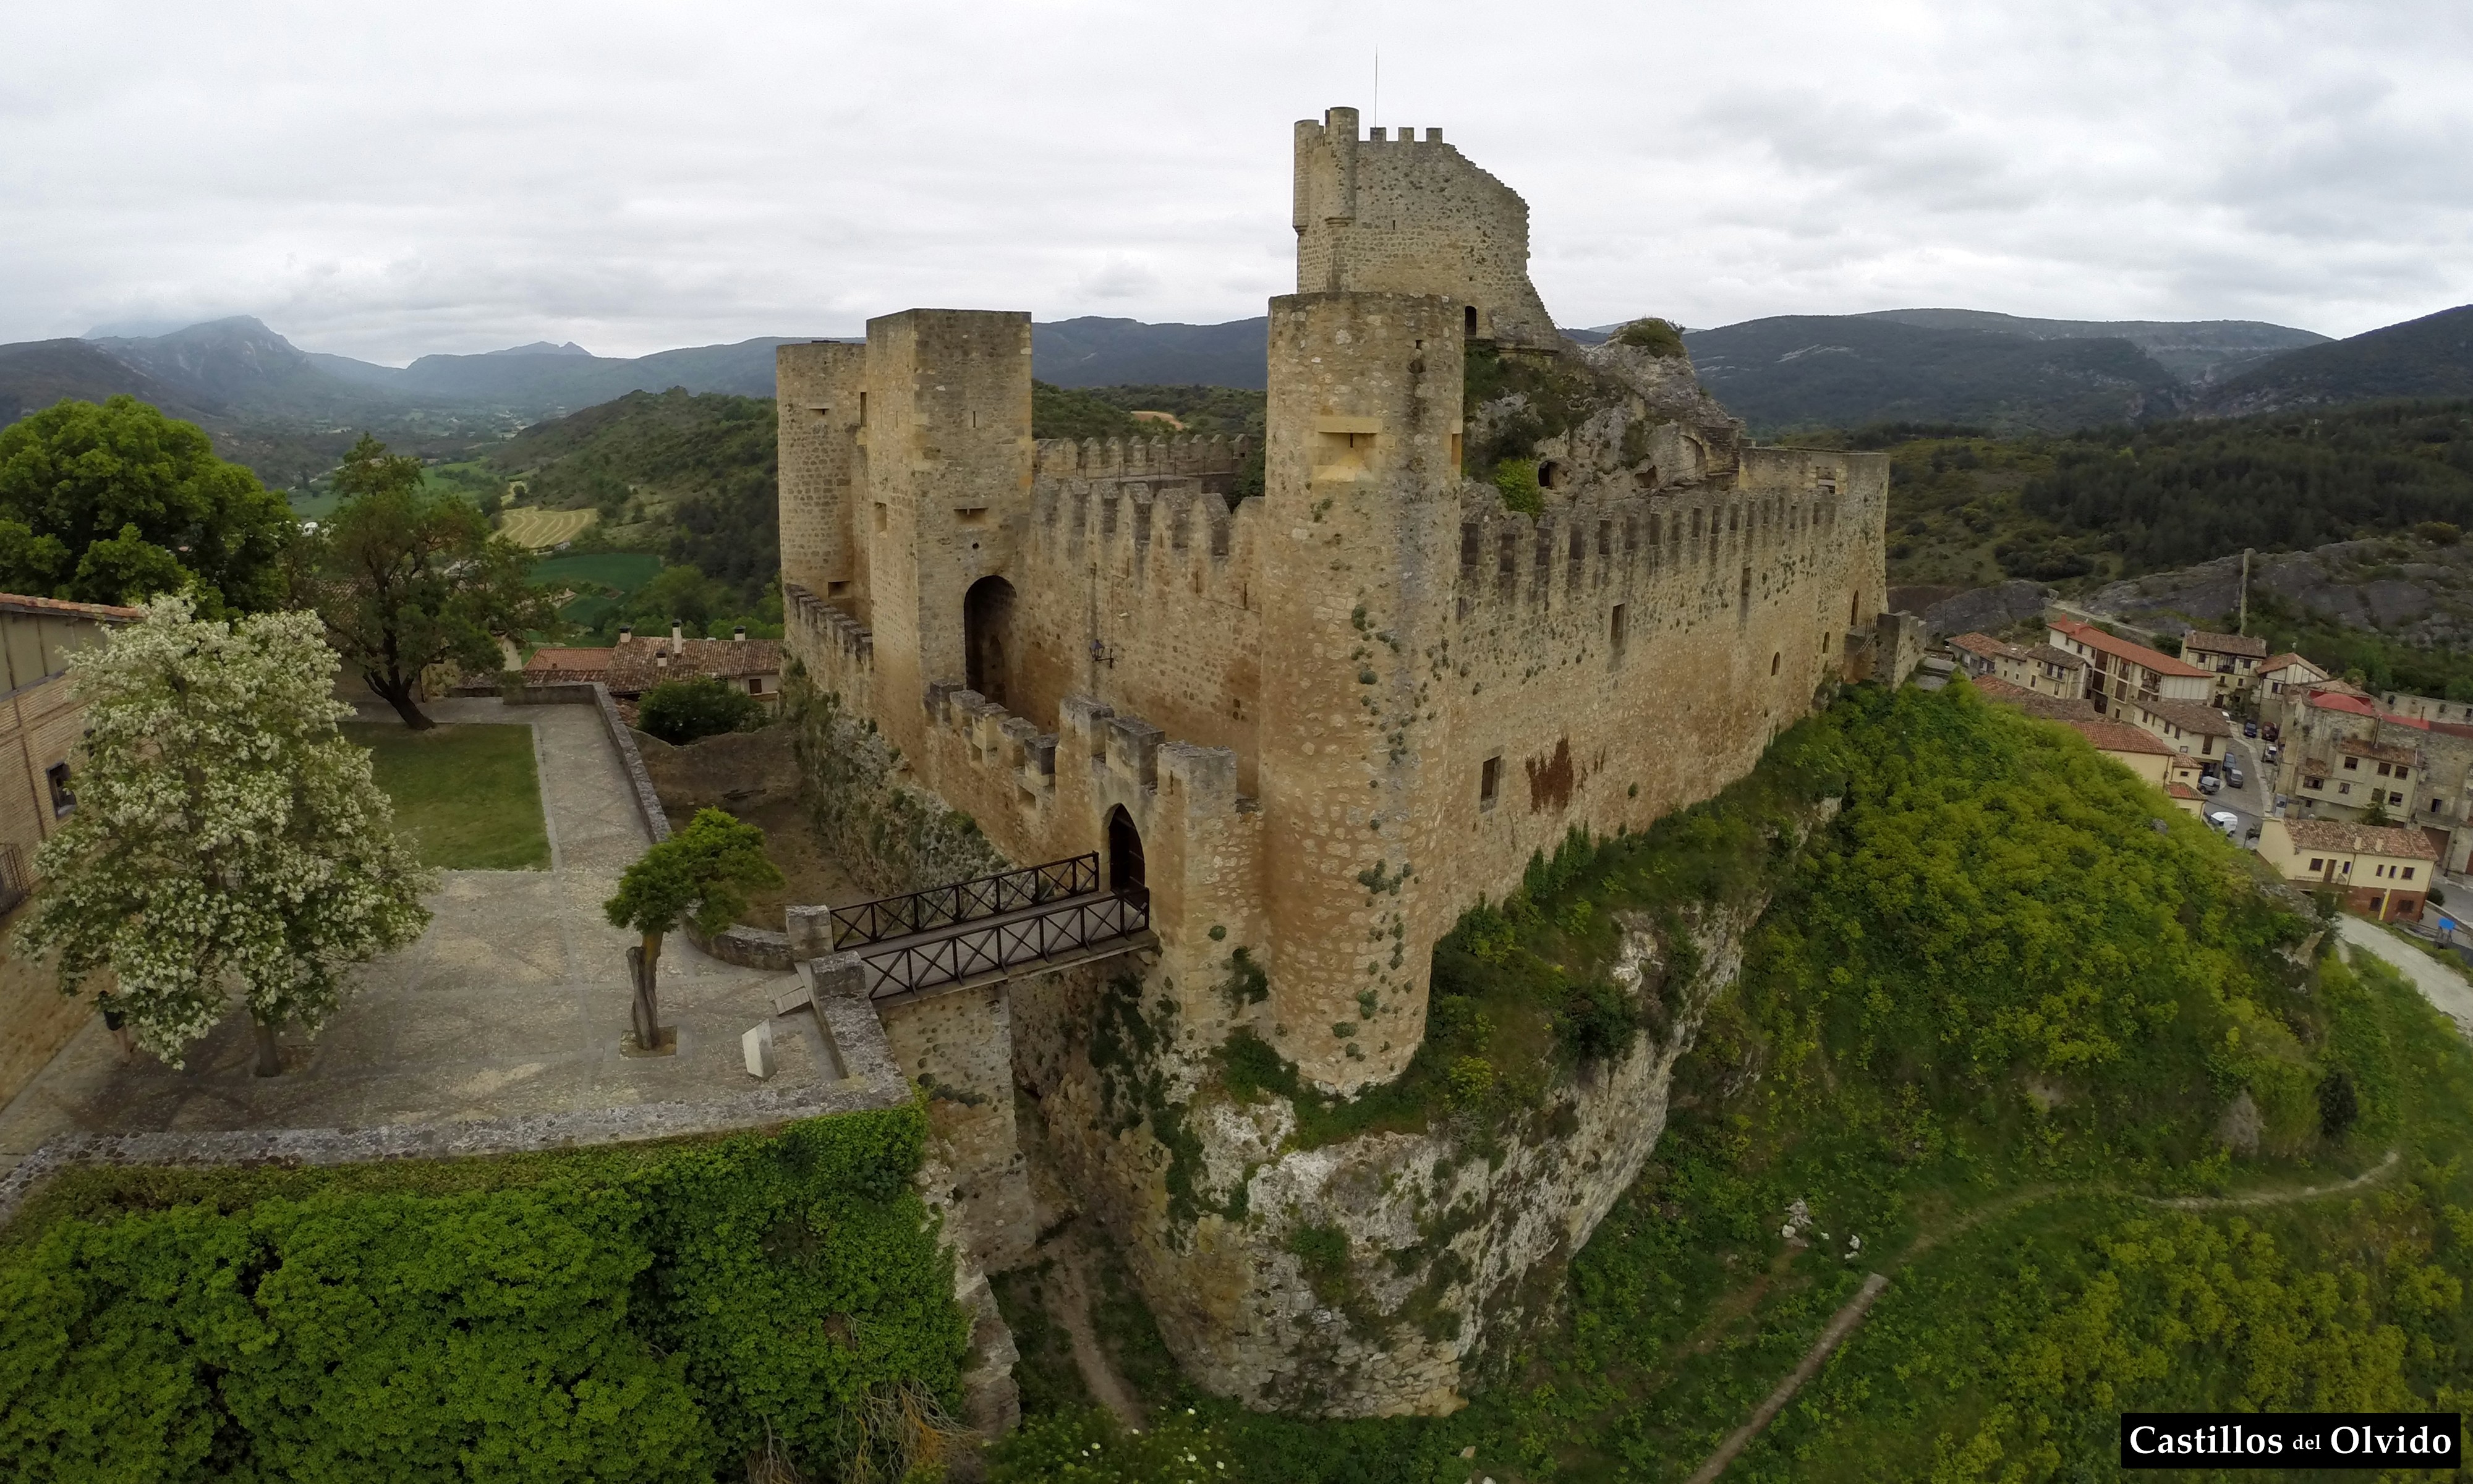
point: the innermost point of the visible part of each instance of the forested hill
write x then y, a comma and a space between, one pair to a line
2182, 492
703, 463
1801, 371
1968, 507
2432, 356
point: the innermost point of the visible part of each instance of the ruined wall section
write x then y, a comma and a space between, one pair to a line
820, 396
1413, 216
1631, 653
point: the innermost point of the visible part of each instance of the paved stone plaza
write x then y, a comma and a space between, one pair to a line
514, 1001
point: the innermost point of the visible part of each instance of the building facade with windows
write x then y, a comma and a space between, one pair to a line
2382, 870
2234, 659
2120, 670
38, 730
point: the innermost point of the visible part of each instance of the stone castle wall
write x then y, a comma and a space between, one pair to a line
1413, 216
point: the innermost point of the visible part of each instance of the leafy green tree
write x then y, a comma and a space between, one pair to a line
405, 578
116, 503
701, 874
679, 711
225, 836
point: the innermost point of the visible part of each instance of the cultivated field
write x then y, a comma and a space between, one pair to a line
529, 525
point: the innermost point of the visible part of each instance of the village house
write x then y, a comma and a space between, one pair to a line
2280, 673
1980, 655
2119, 670
635, 665
2192, 726
2384, 871
2131, 747
40, 725
2234, 659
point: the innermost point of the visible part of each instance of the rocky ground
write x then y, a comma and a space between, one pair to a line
2409, 588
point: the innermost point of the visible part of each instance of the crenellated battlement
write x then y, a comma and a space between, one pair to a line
1094, 458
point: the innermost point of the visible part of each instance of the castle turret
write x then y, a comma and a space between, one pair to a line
1360, 473
1414, 216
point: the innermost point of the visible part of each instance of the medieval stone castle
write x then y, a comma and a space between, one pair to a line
1318, 723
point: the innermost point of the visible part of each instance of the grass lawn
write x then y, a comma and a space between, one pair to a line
468, 795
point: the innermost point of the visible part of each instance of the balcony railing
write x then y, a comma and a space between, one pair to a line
964, 901
971, 952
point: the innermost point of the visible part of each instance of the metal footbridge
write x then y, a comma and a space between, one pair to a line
992, 929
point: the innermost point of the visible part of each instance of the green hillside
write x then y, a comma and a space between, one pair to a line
1987, 1033
2432, 356
1805, 372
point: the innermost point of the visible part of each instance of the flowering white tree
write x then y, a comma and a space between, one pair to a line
227, 841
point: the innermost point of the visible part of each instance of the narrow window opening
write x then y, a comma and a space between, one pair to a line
1467, 320
63, 802
1776, 658
1615, 630
1549, 475
1489, 782
884, 518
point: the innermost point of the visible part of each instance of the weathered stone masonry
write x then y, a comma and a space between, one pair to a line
1333, 716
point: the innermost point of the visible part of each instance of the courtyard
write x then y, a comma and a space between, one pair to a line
514, 1001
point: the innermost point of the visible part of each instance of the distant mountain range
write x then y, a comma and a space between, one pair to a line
282, 409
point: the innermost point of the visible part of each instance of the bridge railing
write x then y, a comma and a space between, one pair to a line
963, 902
1001, 945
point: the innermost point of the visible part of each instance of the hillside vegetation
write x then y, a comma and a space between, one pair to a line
574, 1316
1966, 507
1985, 1038
2432, 356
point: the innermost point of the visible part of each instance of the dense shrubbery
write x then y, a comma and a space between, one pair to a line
609, 1315
679, 711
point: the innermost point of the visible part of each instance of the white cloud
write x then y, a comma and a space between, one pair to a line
458, 176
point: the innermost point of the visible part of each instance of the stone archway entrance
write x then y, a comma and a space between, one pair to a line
1124, 852
987, 638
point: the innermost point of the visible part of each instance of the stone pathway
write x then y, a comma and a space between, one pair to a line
2444, 987
514, 1002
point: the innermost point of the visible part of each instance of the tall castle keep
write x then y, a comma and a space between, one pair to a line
1323, 721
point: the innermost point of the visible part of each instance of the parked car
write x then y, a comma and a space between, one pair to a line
2227, 823
2233, 775
2208, 782
2274, 752
2249, 728
2270, 734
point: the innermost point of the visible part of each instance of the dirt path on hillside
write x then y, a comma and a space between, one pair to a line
1068, 1303
1852, 1312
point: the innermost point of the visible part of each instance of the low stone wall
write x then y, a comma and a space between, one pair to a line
858, 1039
749, 947
736, 771
648, 800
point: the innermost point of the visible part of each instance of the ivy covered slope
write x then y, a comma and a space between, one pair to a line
653, 1313
1989, 1040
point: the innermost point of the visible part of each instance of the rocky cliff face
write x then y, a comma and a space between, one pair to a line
1370, 1276
2409, 588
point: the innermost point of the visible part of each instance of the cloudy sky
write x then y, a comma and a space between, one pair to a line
449, 176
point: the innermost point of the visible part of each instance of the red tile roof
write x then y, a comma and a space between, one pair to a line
2288, 657
2402, 841
2112, 736
62, 607
568, 661
1987, 646
2196, 717
2222, 644
2378, 752
2104, 643
639, 665
2184, 791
